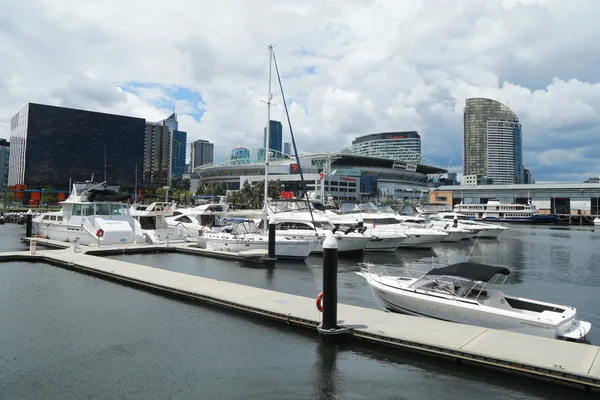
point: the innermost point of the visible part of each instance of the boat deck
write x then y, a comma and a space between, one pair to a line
555, 360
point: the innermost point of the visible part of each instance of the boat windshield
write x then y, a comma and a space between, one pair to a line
243, 227
385, 208
105, 209
357, 207
278, 206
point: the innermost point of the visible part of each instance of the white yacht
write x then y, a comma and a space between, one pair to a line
152, 219
489, 231
453, 234
193, 220
242, 235
388, 221
382, 239
464, 293
294, 220
94, 214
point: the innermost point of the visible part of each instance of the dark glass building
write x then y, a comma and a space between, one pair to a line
4, 158
276, 136
202, 152
50, 145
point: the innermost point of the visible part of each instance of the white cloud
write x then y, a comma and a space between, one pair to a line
351, 67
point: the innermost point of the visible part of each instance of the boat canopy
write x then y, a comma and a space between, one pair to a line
469, 270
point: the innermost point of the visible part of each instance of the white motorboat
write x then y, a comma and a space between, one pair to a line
488, 231
193, 220
496, 211
242, 235
389, 222
293, 219
94, 215
382, 239
455, 233
464, 293
152, 219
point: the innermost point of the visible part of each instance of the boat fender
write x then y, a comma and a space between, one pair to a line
100, 233
168, 210
318, 302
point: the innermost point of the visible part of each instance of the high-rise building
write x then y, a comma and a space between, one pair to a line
202, 152
389, 142
275, 136
158, 150
50, 145
287, 148
492, 142
4, 158
527, 177
178, 147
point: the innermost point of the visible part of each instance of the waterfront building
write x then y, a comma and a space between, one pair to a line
350, 176
527, 177
276, 136
492, 142
287, 148
548, 198
376, 143
51, 145
202, 152
4, 159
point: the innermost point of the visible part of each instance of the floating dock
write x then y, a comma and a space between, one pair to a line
554, 360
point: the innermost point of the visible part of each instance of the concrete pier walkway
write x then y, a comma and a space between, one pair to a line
555, 360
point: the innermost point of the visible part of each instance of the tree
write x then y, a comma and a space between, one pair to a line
8, 196
275, 189
185, 184
174, 184
49, 196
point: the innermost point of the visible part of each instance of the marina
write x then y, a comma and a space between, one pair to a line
458, 341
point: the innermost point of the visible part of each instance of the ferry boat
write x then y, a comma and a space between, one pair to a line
495, 211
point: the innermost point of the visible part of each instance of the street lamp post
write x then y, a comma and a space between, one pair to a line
42, 199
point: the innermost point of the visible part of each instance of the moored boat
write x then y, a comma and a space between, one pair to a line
464, 293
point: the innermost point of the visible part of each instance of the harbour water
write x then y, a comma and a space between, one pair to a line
65, 335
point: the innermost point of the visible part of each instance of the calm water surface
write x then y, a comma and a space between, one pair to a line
65, 335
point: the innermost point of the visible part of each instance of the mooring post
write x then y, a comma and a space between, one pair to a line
28, 223
272, 224
76, 245
330, 264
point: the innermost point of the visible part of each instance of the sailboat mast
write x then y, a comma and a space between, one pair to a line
268, 135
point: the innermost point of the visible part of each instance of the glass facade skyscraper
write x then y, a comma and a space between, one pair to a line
492, 142
276, 136
202, 153
50, 145
287, 148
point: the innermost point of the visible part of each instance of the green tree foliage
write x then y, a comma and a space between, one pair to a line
185, 184
8, 197
49, 196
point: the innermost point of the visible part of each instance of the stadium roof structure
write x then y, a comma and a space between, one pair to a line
377, 156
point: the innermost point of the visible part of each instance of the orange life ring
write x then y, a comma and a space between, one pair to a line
318, 302
100, 233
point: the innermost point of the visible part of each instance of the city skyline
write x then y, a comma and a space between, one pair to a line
341, 80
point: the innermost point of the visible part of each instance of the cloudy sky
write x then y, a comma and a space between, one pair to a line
349, 67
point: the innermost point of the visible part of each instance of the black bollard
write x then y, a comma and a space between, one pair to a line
272, 237
330, 263
29, 222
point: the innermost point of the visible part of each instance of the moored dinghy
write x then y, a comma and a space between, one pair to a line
463, 293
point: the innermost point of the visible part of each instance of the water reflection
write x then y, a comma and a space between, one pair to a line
325, 370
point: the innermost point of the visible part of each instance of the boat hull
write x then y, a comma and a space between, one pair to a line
383, 244
533, 219
284, 249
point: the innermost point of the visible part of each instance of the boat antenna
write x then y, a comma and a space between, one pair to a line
287, 114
